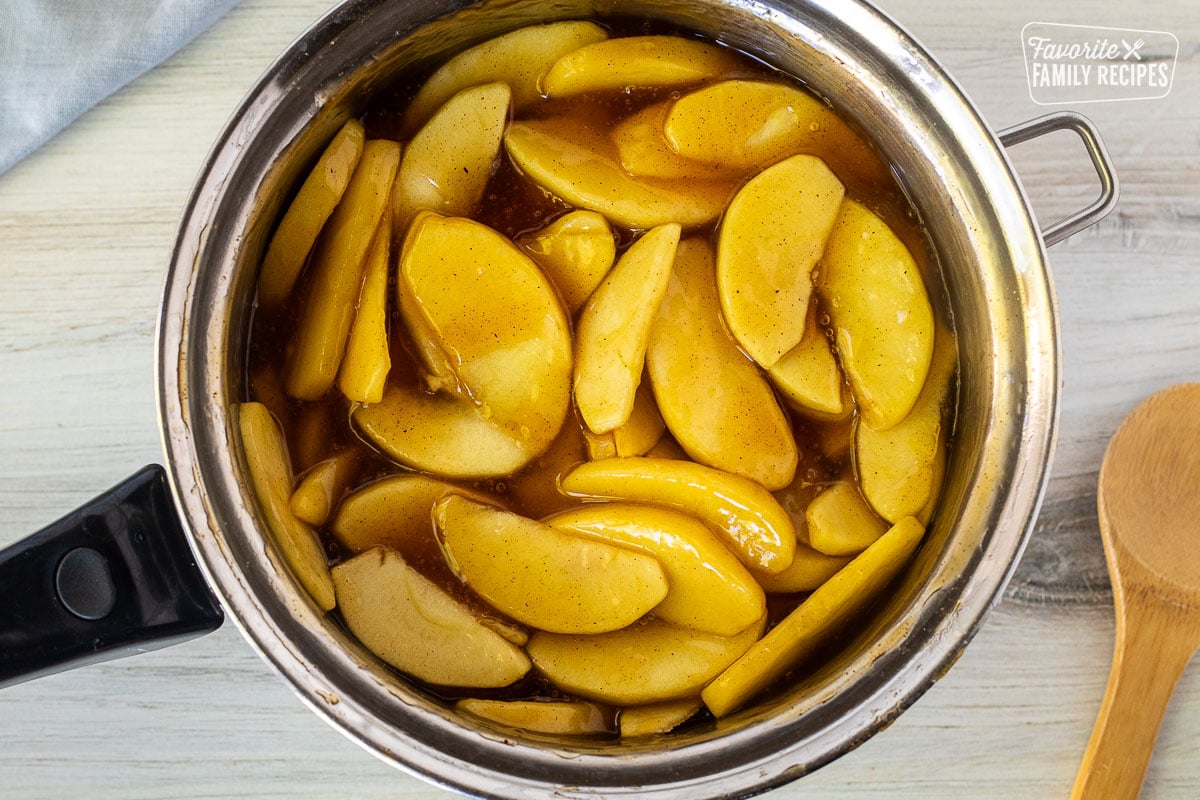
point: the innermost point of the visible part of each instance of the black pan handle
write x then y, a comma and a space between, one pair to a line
113, 578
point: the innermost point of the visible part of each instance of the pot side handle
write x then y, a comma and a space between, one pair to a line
1109, 186
113, 578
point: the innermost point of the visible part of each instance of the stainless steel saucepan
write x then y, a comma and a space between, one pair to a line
120, 572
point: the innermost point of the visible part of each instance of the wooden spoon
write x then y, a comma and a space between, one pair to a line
1149, 504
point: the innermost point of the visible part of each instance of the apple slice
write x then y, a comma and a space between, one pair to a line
656, 718
562, 156
840, 522
322, 486
808, 375
488, 325
640, 433
747, 125
750, 521
715, 401
271, 477
394, 512
535, 488
709, 590
442, 434
302, 223
614, 327
898, 467
576, 251
808, 570
771, 238
449, 161
882, 319
638, 62
824, 614
337, 273
367, 361
650, 662
519, 58
543, 577
666, 447
413, 625
559, 717
644, 427
644, 152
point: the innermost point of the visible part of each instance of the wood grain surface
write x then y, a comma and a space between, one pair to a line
86, 228
1147, 507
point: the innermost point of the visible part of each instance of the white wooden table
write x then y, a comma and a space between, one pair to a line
86, 228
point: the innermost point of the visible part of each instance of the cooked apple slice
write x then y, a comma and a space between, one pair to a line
566, 159
510, 631
271, 477
752, 523
715, 401
519, 58
840, 523
813, 622
613, 329
488, 325
667, 447
576, 251
560, 717
535, 488
709, 590
442, 434
747, 125
302, 223
656, 718
367, 361
394, 512
808, 570
808, 375
636, 61
897, 467
644, 152
337, 273
543, 577
644, 427
771, 238
650, 662
640, 433
408, 621
449, 161
322, 486
882, 319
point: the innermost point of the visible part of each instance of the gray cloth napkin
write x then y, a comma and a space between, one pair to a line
58, 58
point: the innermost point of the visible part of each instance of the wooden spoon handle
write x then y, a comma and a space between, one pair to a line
1155, 640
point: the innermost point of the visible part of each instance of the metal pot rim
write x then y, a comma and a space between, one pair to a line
1015, 389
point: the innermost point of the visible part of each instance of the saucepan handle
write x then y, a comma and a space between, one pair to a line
1109, 188
112, 578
